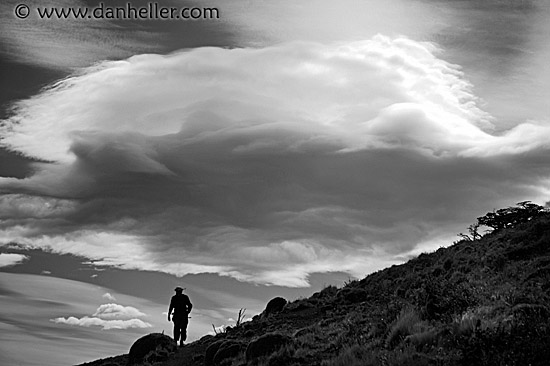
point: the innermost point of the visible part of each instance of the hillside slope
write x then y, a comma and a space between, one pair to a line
480, 302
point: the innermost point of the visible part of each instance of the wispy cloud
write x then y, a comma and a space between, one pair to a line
66, 43
267, 164
104, 324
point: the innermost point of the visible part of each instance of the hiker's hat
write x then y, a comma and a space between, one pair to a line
179, 289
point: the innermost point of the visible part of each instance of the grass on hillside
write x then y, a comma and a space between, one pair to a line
482, 301
478, 302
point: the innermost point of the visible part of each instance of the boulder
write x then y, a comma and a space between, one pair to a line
266, 345
206, 338
226, 351
211, 352
154, 346
275, 305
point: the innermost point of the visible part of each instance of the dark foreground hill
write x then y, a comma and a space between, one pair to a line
484, 301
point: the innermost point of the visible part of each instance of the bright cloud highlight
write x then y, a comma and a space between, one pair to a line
11, 259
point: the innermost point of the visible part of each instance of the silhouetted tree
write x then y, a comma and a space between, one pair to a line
511, 216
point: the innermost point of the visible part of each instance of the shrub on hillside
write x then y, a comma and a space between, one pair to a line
526, 342
406, 324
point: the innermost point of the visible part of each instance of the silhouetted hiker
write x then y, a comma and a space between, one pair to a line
182, 307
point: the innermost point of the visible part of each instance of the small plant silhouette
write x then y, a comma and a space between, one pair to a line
240, 317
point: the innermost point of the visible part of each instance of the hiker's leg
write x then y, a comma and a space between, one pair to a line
176, 330
182, 333
184, 328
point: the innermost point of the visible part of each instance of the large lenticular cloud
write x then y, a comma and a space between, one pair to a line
277, 92
263, 164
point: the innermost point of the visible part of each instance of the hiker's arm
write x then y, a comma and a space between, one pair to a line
189, 307
170, 310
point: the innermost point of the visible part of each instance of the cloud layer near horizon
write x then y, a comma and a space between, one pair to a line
263, 164
108, 316
30, 301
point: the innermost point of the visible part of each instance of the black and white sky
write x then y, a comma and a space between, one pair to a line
281, 148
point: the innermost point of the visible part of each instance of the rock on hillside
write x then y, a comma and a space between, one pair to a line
151, 348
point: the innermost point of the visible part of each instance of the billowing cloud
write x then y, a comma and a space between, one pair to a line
108, 296
265, 164
247, 100
108, 316
11, 259
116, 311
